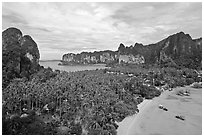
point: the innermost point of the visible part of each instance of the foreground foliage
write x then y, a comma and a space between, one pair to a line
84, 102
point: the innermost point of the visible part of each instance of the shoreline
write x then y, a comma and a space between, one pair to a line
61, 63
71, 68
152, 120
82, 65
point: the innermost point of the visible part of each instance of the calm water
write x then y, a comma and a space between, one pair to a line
54, 65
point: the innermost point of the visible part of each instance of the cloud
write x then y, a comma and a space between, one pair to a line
59, 28
12, 18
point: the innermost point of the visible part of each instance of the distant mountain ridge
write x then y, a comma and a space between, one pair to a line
177, 49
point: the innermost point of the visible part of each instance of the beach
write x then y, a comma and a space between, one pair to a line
151, 120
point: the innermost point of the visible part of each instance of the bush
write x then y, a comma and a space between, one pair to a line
44, 74
181, 82
149, 92
139, 99
189, 81
190, 73
197, 85
76, 129
198, 79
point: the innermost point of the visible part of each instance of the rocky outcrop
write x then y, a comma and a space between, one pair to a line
90, 58
20, 55
178, 50
138, 59
29, 49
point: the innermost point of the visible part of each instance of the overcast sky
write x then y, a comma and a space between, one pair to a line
59, 28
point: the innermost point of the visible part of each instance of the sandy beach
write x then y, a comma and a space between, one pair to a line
153, 121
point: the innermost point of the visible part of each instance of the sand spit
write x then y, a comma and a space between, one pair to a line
153, 120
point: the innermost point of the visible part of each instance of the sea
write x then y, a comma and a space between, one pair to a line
70, 68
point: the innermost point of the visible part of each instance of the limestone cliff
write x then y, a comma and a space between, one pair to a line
90, 58
20, 55
138, 59
177, 49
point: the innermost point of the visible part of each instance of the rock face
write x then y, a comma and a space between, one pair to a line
20, 55
90, 58
176, 50
138, 59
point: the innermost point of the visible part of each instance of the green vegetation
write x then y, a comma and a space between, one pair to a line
89, 100
84, 102
38, 101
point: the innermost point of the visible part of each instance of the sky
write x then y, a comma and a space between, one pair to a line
60, 28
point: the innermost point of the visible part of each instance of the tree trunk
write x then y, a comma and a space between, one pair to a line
60, 108
32, 105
